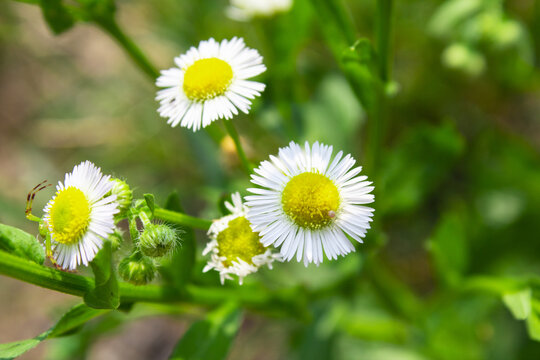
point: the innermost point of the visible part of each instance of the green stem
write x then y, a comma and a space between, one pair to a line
181, 219
290, 301
376, 125
111, 27
383, 32
239, 149
49, 278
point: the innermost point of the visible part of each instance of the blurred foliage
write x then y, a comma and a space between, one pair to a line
450, 270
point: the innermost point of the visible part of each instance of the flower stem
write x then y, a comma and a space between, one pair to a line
239, 149
378, 115
181, 219
383, 32
110, 26
287, 301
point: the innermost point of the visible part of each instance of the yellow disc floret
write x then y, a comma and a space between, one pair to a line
311, 200
69, 215
207, 78
239, 241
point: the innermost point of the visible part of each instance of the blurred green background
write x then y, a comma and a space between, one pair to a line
458, 184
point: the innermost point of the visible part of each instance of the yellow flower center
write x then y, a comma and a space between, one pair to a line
239, 241
69, 215
207, 78
311, 200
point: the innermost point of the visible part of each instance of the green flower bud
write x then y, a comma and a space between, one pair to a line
137, 269
157, 240
124, 196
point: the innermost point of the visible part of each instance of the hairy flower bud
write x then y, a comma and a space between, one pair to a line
137, 269
124, 196
157, 240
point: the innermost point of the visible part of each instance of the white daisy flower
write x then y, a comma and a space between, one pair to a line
309, 203
210, 83
78, 217
243, 10
235, 249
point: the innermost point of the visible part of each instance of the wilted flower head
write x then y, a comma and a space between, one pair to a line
234, 247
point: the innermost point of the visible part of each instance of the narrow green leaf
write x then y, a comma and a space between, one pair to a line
20, 243
105, 294
210, 339
73, 319
56, 15
150, 201
519, 303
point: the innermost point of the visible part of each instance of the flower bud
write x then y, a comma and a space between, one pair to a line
124, 196
157, 240
137, 269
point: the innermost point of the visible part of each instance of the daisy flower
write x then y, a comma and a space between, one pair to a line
243, 10
235, 249
308, 203
209, 83
79, 216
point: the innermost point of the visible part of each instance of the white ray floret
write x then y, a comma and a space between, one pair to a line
80, 215
209, 83
220, 259
310, 203
243, 10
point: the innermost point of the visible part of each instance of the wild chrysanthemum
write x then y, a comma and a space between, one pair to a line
310, 202
247, 9
210, 83
235, 249
79, 216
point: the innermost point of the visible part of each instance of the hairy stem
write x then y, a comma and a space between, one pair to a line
181, 219
290, 301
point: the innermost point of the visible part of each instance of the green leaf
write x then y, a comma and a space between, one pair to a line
533, 321
56, 15
105, 293
179, 268
20, 243
73, 319
210, 339
150, 201
448, 246
519, 303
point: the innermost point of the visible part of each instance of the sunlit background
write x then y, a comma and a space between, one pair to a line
459, 179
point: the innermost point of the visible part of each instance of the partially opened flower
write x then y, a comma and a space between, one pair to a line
309, 203
235, 249
246, 9
80, 216
210, 83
